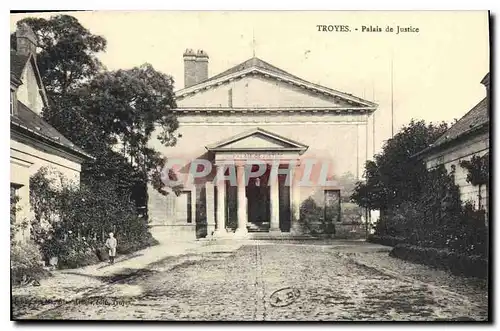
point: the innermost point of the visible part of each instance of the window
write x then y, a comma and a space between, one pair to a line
14, 199
12, 99
189, 217
230, 98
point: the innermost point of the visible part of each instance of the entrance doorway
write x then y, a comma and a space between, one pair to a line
259, 212
258, 204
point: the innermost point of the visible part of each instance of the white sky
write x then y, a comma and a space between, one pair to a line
437, 71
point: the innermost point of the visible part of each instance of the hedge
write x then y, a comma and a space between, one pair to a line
458, 264
386, 240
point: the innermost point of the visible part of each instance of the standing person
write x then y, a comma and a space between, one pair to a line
111, 245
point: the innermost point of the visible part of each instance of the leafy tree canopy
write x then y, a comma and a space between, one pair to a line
110, 114
394, 176
67, 52
478, 168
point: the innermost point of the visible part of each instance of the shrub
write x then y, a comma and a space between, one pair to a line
26, 262
438, 219
351, 213
470, 234
76, 258
76, 252
350, 231
386, 240
130, 246
460, 264
311, 217
80, 218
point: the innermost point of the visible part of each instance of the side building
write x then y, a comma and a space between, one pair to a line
468, 137
33, 142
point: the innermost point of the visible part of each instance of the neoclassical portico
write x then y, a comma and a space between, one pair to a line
257, 168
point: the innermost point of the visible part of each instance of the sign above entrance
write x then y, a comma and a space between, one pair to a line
257, 155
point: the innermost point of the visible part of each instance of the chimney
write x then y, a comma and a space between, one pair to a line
195, 67
26, 40
486, 82
201, 66
189, 68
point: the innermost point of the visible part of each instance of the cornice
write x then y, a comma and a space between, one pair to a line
271, 110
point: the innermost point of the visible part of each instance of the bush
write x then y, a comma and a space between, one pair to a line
438, 219
80, 218
76, 258
460, 264
26, 262
76, 253
350, 231
311, 217
351, 213
386, 240
130, 246
102, 253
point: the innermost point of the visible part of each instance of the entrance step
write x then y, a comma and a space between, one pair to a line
258, 227
278, 236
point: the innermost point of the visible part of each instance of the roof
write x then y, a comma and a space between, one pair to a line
486, 80
258, 66
27, 119
250, 63
17, 63
477, 118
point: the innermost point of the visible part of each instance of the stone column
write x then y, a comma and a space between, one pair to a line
242, 202
294, 201
209, 207
275, 201
220, 226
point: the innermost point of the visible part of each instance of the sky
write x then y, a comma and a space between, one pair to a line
436, 72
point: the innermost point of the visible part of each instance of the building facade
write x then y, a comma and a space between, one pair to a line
34, 143
469, 136
256, 142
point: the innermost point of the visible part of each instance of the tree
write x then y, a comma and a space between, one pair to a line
128, 107
97, 109
395, 176
371, 193
347, 182
66, 52
478, 168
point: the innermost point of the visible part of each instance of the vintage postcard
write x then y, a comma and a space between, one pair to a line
250, 165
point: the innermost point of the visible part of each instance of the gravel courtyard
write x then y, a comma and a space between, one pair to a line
271, 281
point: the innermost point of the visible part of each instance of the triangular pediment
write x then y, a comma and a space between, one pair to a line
258, 68
257, 139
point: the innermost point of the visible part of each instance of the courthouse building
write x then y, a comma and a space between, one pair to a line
256, 112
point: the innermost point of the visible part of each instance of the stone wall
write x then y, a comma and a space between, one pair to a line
25, 161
